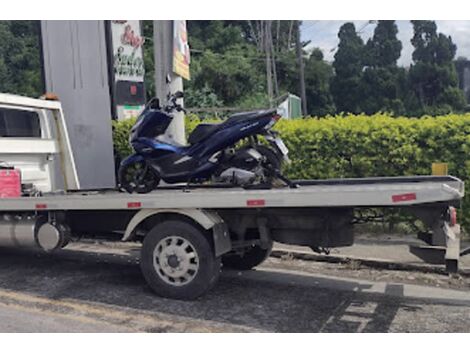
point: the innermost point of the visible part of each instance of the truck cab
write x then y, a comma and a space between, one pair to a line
34, 140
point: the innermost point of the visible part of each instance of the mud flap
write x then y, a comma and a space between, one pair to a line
452, 255
448, 254
222, 242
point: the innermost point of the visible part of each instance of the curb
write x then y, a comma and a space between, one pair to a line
367, 262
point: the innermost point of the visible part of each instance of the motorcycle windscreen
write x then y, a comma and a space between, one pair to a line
152, 123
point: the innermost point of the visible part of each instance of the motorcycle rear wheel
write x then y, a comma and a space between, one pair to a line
138, 177
271, 164
272, 161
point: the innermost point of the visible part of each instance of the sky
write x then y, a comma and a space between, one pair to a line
324, 35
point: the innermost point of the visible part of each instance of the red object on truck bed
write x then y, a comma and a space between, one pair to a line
10, 183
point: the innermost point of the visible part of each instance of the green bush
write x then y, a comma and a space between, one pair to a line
361, 146
379, 145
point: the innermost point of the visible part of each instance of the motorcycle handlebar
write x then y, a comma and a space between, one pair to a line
172, 105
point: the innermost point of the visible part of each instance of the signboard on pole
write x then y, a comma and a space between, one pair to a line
128, 68
181, 55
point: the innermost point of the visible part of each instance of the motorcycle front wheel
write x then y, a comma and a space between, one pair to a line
138, 177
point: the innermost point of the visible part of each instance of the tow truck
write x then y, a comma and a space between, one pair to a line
188, 233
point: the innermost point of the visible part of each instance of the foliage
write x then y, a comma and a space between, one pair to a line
361, 146
223, 61
384, 48
379, 145
228, 58
230, 75
20, 68
382, 80
149, 63
433, 78
348, 66
318, 75
201, 98
121, 132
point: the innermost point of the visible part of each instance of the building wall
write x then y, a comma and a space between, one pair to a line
466, 82
463, 71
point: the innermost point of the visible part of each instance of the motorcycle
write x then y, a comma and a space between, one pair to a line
229, 152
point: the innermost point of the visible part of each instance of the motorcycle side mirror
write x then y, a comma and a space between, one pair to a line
179, 94
154, 104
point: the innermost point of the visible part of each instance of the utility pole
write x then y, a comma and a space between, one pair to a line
273, 58
163, 54
300, 59
269, 70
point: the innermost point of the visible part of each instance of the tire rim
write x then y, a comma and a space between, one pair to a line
175, 260
138, 176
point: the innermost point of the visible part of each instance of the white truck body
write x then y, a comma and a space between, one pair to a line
39, 144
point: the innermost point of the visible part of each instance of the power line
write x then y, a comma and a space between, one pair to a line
358, 32
252, 57
310, 26
307, 28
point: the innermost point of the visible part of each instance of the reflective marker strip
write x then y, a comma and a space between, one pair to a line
453, 216
41, 206
403, 197
134, 204
255, 203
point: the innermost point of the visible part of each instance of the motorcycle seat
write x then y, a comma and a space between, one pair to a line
202, 131
249, 115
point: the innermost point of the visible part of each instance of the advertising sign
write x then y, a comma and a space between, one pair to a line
127, 51
128, 68
181, 56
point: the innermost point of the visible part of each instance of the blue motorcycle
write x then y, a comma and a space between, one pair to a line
229, 152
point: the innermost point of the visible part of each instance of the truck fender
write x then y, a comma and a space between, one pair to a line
207, 219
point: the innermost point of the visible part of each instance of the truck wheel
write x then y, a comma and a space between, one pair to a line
177, 260
252, 257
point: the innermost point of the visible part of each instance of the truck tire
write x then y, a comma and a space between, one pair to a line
177, 260
252, 257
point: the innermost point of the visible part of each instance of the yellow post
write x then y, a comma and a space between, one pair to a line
439, 169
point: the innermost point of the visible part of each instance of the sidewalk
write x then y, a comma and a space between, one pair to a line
393, 249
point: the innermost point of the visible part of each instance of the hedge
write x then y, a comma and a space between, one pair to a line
361, 146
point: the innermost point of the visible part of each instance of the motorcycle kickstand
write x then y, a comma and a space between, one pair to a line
288, 182
186, 188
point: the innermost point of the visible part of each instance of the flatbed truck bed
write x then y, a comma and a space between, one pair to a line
367, 192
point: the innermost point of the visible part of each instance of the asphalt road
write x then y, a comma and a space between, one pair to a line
103, 291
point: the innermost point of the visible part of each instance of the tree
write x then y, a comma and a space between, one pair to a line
240, 60
225, 62
318, 74
231, 75
382, 79
432, 77
20, 63
348, 66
